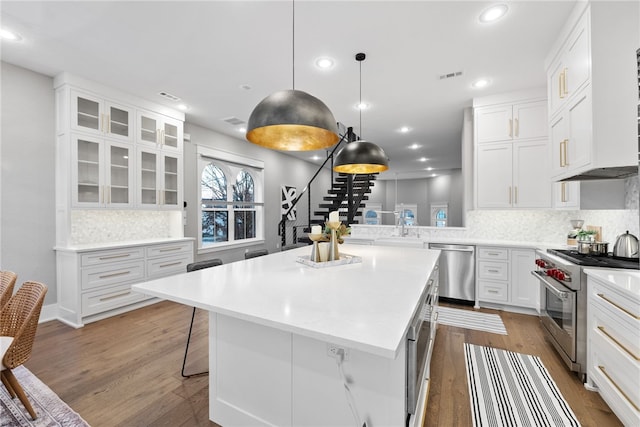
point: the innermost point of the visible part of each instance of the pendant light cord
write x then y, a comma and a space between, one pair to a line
293, 44
360, 105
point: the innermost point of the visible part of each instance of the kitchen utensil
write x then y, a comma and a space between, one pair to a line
576, 223
584, 246
599, 248
626, 246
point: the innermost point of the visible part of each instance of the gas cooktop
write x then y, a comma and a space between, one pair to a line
596, 261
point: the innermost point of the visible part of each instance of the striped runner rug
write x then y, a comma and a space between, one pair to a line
471, 320
513, 389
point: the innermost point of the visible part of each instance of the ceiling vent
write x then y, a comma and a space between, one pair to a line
234, 121
169, 96
450, 75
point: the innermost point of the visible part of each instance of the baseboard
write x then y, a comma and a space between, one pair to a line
49, 312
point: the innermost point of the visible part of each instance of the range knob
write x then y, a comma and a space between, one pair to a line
559, 275
551, 272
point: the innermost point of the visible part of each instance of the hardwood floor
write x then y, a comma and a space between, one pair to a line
125, 370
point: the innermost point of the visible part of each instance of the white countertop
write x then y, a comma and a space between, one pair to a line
366, 306
117, 245
412, 240
625, 280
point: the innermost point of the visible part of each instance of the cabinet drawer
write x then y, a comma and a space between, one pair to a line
620, 370
493, 270
95, 277
107, 299
167, 266
493, 291
113, 255
169, 249
614, 301
620, 331
493, 253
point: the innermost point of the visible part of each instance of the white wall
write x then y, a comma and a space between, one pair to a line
27, 222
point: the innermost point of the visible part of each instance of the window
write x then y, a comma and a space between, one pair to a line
231, 199
408, 213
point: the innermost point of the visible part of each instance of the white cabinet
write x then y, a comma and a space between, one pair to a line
512, 151
95, 283
156, 130
101, 172
592, 91
613, 347
159, 179
513, 175
508, 122
566, 195
504, 277
94, 115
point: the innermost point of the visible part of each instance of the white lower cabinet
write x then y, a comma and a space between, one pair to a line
96, 283
504, 277
613, 348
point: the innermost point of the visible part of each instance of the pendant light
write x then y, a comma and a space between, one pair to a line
361, 157
292, 120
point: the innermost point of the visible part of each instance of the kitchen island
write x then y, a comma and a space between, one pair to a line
274, 323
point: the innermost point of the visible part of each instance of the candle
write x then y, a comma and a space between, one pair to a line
333, 216
316, 229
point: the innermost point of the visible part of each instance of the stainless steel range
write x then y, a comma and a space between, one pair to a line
563, 300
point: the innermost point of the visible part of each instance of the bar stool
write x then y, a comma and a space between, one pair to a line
193, 267
256, 253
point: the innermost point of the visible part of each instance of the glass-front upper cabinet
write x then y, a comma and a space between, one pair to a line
102, 174
159, 131
158, 179
100, 117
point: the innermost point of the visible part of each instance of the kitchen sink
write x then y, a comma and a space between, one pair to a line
411, 242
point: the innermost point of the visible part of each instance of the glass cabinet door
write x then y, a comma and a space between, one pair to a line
170, 197
172, 135
148, 129
148, 189
93, 115
119, 175
88, 159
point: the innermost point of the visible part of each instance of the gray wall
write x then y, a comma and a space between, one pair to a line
27, 199
280, 169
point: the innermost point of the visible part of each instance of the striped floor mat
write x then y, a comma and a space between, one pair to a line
513, 389
471, 320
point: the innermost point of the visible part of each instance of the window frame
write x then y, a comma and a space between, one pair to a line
231, 165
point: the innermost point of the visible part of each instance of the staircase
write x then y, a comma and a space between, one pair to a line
345, 198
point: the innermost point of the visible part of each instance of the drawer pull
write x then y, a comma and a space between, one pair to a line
629, 352
493, 271
175, 248
102, 258
492, 291
635, 316
170, 264
110, 297
435, 319
493, 253
618, 388
121, 273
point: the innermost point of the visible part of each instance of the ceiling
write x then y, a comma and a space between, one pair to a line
223, 57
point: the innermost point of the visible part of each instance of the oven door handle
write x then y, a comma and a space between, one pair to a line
557, 292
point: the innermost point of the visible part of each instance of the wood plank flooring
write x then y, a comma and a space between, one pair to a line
125, 370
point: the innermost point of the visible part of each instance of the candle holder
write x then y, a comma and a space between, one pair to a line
315, 238
334, 255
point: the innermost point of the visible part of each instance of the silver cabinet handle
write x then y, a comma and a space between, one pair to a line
622, 346
635, 316
170, 264
175, 248
110, 297
618, 387
114, 256
121, 273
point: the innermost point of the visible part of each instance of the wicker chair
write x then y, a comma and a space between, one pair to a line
193, 267
7, 282
18, 324
256, 253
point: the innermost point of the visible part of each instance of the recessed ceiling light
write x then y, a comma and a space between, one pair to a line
480, 83
325, 63
183, 107
362, 106
415, 146
493, 13
7, 34
245, 87
429, 168
242, 129
405, 129
433, 174
316, 158
422, 159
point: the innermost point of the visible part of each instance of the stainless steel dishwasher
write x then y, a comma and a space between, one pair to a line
457, 272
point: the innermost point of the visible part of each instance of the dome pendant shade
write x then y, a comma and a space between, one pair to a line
361, 157
292, 120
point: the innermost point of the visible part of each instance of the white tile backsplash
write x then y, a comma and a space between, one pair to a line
535, 226
100, 226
